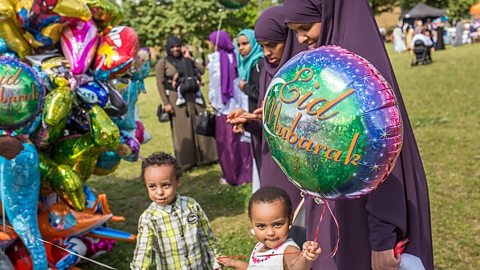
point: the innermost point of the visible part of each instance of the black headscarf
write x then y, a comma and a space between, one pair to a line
173, 41
400, 206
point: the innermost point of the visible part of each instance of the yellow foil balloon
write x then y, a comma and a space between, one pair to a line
58, 103
64, 181
82, 152
53, 31
10, 32
7, 10
73, 8
105, 133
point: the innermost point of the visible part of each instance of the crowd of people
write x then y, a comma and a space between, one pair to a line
434, 34
176, 229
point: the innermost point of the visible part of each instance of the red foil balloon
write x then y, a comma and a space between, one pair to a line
116, 52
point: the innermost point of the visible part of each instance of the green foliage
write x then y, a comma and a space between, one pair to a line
408, 4
458, 9
381, 6
192, 20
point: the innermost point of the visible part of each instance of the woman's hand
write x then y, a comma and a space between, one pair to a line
242, 84
311, 250
10, 147
385, 260
235, 117
168, 108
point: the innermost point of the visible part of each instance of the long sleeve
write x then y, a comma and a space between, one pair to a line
200, 68
207, 238
160, 76
387, 213
252, 87
142, 255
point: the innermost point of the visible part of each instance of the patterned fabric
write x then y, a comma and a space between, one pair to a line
269, 260
180, 236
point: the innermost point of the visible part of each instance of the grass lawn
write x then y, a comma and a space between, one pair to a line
443, 104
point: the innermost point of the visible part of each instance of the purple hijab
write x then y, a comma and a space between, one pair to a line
400, 206
225, 48
270, 26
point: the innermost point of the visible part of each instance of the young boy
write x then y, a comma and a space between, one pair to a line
174, 227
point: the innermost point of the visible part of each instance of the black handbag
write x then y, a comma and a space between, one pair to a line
205, 124
162, 115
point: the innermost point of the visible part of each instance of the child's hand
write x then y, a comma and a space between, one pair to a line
225, 261
311, 250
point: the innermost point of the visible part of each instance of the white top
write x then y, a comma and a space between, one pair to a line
239, 100
262, 260
426, 40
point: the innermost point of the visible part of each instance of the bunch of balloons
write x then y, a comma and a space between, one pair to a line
69, 82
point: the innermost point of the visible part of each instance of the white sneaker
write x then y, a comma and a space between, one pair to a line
199, 100
223, 181
180, 101
146, 136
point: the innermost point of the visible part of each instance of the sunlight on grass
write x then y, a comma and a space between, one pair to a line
442, 101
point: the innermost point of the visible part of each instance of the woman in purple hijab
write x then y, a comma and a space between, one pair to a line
369, 227
234, 155
279, 45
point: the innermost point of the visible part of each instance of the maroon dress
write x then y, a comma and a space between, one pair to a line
400, 206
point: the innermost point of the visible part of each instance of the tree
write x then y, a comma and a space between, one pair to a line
459, 9
381, 6
408, 4
192, 20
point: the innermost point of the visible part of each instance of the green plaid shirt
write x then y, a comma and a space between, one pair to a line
179, 234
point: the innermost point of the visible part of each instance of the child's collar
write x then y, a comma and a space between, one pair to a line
168, 208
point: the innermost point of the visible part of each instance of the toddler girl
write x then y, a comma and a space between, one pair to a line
270, 212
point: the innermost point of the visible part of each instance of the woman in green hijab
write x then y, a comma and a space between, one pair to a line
249, 64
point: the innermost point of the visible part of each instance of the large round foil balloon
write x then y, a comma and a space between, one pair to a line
332, 123
79, 42
21, 94
233, 4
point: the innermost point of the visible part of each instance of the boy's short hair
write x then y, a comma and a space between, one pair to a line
270, 194
161, 159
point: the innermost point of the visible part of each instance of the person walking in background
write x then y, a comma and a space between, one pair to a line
439, 33
369, 226
234, 155
398, 41
458, 41
250, 63
190, 148
409, 36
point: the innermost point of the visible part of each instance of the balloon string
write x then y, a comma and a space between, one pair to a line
71, 252
278, 254
335, 249
3, 197
218, 29
319, 222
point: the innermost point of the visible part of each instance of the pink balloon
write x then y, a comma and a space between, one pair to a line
79, 42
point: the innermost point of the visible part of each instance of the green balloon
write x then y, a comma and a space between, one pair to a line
21, 94
233, 4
